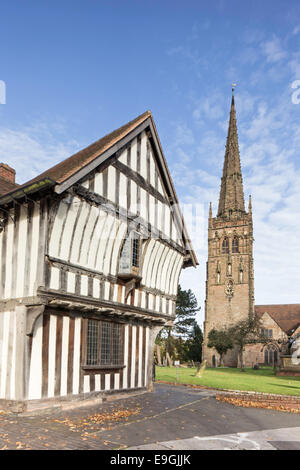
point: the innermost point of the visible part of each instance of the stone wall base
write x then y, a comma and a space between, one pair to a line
67, 402
290, 373
261, 400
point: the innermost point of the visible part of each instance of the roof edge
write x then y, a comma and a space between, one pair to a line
22, 191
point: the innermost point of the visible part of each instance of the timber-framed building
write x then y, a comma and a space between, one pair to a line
91, 251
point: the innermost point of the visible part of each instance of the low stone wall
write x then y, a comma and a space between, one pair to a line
269, 401
289, 367
288, 373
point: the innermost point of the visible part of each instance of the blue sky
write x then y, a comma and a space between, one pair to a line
75, 70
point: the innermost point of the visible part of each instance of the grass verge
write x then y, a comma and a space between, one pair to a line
262, 380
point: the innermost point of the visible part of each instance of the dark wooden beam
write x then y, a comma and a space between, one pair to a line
50, 294
140, 181
133, 220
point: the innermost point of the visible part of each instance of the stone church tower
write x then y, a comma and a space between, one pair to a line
230, 278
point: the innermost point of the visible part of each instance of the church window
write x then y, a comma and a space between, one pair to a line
104, 343
241, 276
225, 246
271, 355
267, 333
218, 278
235, 245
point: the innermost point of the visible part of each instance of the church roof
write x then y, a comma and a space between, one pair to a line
231, 194
286, 316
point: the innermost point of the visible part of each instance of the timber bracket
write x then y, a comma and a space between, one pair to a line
33, 313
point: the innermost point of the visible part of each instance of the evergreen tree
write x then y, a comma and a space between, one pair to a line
193, 346
186, 309
184, 323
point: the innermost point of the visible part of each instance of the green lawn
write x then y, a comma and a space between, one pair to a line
262, 380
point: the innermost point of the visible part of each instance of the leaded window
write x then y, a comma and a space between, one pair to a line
92, 343
129, 263
104, 343
135, 252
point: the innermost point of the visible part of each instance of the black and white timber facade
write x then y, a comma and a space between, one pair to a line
91, 252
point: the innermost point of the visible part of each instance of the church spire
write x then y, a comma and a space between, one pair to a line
250, 206
210, 211
210, 215
231, 200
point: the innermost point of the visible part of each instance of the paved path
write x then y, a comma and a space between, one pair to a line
171, 416
273, 439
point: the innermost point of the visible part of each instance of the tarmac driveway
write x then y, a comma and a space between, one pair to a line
170, 417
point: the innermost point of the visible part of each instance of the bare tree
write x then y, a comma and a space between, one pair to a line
246, 332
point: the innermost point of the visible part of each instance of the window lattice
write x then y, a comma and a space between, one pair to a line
92, 342
135, 252
104, 343
116, 352
130, 254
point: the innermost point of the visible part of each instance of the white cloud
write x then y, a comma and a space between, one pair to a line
210, 108
294, 65
269, 135
184, 135
273, 50
32, 150
269, 142
296, 30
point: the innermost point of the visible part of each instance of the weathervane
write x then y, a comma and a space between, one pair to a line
233, 87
